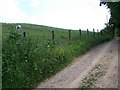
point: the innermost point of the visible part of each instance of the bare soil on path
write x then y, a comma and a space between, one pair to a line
104, 55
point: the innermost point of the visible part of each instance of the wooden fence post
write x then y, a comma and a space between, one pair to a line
53, 36
94, 32
69, 36
24, 34
87, 32
101, 32
98, 32
80, 32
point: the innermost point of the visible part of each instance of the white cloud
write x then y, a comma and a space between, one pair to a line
35, 3
10, 11
73, 14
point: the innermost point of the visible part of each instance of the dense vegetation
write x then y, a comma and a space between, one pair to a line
114, 22
29, 60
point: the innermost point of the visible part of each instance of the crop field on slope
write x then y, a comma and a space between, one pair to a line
27, 61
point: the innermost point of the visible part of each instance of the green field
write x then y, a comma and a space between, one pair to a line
26, 61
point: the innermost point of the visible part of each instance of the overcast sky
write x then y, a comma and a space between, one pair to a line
69, 14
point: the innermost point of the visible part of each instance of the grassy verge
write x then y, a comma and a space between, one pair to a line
29, 60
89, 81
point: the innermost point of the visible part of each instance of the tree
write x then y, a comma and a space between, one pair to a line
114, 21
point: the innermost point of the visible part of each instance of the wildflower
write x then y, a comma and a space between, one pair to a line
11, 80
26, 60
48, 46
16, 43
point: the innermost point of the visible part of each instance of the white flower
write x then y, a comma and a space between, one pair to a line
48, 46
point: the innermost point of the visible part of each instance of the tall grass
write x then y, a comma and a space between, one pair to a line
29, 60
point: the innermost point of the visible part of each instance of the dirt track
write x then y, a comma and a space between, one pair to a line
104, 55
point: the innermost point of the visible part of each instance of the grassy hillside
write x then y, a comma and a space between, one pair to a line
29, 60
